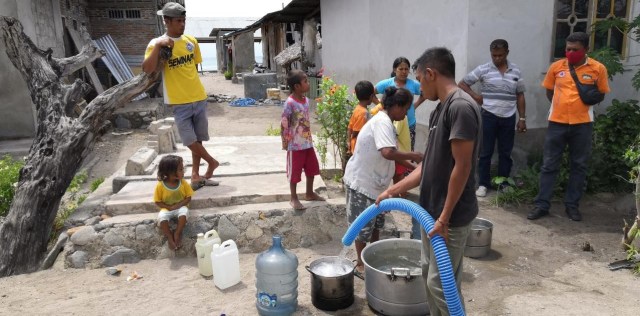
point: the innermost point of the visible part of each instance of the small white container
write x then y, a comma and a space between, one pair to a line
204, 246
226, 264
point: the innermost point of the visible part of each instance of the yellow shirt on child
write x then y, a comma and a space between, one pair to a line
171, 196
402, 128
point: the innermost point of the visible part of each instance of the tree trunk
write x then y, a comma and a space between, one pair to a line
60, 145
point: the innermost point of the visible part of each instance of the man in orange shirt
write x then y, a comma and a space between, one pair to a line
570, 124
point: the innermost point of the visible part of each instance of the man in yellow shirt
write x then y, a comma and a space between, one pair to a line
182, 88
570, 124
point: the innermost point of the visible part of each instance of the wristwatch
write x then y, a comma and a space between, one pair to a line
523, 118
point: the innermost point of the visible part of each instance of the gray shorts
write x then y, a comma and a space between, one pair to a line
356, 204
192, 122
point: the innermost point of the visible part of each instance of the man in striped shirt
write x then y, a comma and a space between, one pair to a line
502, 95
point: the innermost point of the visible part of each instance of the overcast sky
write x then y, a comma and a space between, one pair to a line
233, 8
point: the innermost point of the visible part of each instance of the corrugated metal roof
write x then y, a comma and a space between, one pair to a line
114, 60
295, 11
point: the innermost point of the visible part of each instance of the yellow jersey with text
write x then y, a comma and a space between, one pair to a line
180, 81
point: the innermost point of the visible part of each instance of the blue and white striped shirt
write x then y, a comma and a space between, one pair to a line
499, 91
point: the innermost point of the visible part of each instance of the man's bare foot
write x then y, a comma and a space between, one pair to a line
178, 240
297, 205
313, 197
211, 168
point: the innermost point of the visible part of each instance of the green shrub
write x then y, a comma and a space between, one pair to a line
273, 131
77, 181
9, 174
522, 188
229, 72
333, 112
614, 132
96, 183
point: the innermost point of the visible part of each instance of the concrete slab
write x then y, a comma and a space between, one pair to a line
243, 155
137, 197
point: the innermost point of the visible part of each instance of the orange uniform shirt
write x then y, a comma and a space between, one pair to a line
566, 106
359, 117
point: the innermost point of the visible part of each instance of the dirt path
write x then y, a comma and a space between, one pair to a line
535, 267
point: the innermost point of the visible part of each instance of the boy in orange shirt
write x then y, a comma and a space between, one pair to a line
360, 115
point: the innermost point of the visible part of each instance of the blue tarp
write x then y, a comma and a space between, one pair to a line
243, 102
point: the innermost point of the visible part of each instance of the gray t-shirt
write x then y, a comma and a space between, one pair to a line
458, 117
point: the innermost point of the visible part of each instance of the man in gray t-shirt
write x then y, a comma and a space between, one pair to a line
446, 175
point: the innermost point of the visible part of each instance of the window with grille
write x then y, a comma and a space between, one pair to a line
124, 14
581, 15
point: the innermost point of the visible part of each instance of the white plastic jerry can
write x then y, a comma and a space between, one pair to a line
226, 264
204, 246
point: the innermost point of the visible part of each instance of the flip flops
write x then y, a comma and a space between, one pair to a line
204, 182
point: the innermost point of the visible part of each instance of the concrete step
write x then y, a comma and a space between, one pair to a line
137, 197
221, 210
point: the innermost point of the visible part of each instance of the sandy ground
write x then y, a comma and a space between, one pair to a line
534, 268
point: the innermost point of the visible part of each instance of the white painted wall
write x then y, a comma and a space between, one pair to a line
362, 38
528, 27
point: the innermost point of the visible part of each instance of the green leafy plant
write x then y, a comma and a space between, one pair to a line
229, 72
614, 132
9, 174
273, 131
521, 189
333, 112
96, 183
77, 181
609, 57
633, 253
321, 146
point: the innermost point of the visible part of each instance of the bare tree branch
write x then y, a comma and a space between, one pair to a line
72, 64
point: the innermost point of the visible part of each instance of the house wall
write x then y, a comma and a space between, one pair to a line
361, 38
360, 41
42, 22
131, 35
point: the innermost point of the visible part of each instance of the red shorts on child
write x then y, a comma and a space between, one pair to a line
302, 159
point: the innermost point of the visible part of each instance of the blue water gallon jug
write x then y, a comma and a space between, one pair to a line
276, 280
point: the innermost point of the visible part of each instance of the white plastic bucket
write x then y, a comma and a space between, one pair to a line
226, 264
204, 246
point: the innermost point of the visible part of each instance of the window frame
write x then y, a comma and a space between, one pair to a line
124, 14
591, 19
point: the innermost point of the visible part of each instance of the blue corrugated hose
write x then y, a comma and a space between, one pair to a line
437, 243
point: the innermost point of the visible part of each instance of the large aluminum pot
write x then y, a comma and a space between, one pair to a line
393, 277
479, 240
331, 283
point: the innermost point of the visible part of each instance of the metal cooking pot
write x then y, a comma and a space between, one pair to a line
479, 240
480, 234
393, 277
334, 292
